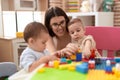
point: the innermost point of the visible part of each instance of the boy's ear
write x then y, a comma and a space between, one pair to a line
30, 41
84, 30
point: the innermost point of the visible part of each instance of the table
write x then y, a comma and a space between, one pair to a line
56, 74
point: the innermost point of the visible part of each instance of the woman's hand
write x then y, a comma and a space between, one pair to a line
67, 51
71, 48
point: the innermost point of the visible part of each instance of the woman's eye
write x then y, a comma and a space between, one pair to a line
55, 24
71, 32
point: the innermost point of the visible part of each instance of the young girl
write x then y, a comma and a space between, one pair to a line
36, 36
85, 42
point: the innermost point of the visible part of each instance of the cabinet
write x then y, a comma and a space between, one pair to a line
22, 5
25, 4
11, 48
95, 18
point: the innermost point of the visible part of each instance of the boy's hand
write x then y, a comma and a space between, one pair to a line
48, 58
86, 53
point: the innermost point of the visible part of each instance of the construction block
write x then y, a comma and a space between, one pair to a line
41, 70
97, 61
50, 63
92, 56
91, 64
82, 68
63, 60
56, 64
117, 59
79, 55
69, 61
108, 69
73, 57
71, 68
65, 66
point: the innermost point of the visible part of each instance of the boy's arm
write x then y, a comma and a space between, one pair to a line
42, 60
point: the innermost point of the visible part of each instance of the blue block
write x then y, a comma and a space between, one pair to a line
108, 68
62, 60
117, 59
82, 68
78, 56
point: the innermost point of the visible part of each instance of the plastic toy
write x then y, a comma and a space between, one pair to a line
82, 68
91, 64
56, 64
77, 56
63, 60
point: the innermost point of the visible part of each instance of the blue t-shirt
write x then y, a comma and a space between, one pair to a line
28, 56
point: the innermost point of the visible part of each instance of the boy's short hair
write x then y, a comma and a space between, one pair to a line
72, 21
33, 30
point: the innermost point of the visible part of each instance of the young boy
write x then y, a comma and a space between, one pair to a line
36, 36
85, 42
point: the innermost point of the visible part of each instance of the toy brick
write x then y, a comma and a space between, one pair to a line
82, 68
78, 56
56, 64
63, 60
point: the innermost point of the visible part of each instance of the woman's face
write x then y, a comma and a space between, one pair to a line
58, 25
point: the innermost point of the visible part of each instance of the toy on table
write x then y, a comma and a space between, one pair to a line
77, 56
79, 70
108, 68
92, 56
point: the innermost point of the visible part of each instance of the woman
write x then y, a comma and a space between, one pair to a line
56, 22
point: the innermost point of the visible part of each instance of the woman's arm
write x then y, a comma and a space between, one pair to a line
50, 45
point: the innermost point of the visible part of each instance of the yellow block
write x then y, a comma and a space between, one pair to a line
41, 70
71, 68
19, 34
56, 64
73, 57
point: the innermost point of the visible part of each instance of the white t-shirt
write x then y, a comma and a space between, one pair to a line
28, 56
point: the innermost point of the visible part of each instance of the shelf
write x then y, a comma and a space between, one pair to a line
99, 18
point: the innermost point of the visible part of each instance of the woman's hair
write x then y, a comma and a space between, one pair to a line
33, 29
75, 20
53, 12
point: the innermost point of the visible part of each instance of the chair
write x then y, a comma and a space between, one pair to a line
107, 39
7, 69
